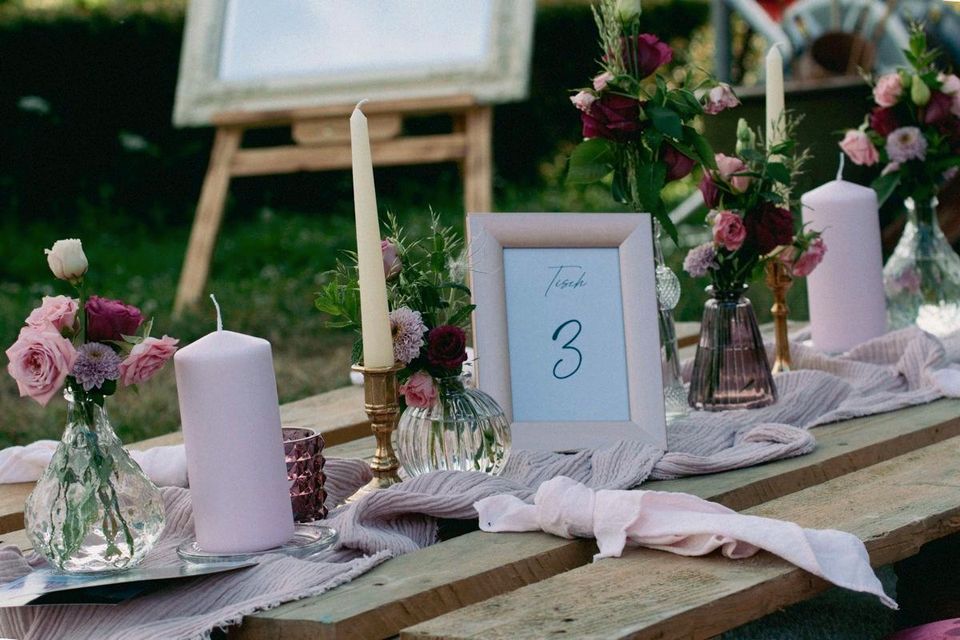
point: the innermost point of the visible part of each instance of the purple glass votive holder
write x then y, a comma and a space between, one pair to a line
303, 450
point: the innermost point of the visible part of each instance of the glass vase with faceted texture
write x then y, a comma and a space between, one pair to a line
464, 430
668, 295
730, 370
922, 276
93, 509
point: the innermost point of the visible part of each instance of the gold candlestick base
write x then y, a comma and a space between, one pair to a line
380, 403
780, 280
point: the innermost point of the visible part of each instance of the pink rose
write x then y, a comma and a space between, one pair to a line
419, 390
40, 360
729, 165
857, 146
888, 89
720, 97
110, 319
728, 230
601, 81
60, 311
949, 83
806, 263
146, 359
391, 261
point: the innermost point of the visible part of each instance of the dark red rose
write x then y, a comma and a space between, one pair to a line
883, 121
768, 227
679, 165
446, 347
110, 319
612, 117
645, 54
711, 195
938, 109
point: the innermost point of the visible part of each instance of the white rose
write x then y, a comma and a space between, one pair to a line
67, 260
627, 10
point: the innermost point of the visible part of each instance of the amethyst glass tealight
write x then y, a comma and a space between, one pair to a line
303, 449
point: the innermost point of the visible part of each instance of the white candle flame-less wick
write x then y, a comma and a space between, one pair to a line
219, 317
840, 169
361, 103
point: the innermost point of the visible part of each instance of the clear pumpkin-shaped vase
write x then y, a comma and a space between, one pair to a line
93, 509
464, 430
730, 370
922, 276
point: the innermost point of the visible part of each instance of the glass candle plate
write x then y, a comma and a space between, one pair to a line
307, 539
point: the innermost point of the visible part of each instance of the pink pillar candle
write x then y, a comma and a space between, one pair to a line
234, 445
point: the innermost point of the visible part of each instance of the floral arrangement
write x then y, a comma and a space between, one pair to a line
90, 344
430, 307
750, 217
635, 124
914, 129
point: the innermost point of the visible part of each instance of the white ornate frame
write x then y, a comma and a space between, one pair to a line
630, 233
501, 77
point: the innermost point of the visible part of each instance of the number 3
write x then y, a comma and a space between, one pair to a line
567, 347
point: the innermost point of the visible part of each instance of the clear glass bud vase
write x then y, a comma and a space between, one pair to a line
668, 295
93, 509
464, 430
730, 370
922, 276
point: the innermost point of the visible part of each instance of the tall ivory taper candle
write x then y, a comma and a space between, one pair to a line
374, 318
234, 446
774, 90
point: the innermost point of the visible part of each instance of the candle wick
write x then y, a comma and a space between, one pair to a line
219, 317
840, 170
361, 103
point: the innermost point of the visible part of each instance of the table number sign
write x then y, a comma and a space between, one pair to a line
566, 329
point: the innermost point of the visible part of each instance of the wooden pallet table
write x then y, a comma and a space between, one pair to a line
891, 479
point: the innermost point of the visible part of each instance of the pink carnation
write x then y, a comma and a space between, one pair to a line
806, 263
888, 90
60, 311
146, 359
419, 390
728, 230
857, 146
40, 360
729, 165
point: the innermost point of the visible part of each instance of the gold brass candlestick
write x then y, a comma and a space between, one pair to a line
380, 403
780, 280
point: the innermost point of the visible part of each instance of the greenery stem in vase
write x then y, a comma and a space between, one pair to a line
639, 130
93, 509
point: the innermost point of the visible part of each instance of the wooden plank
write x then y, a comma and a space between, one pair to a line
842, 448
415, 106
336, 130
895, 507
478, 164
402, 151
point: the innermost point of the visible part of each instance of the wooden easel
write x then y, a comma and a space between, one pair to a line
322, 143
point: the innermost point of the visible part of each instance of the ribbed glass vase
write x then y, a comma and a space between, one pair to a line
93, 509
464, 430
730, 370
922, 276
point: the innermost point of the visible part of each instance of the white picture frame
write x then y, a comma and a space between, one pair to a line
250, 55
512, 257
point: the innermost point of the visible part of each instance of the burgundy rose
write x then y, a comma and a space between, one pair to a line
612, 117
111, 319
711, 194
883, 121
768, 227
679, 165
938, 109
446, 347
645, 54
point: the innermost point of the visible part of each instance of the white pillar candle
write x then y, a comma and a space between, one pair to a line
845, 292
374, 318
774, 90
234, 446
